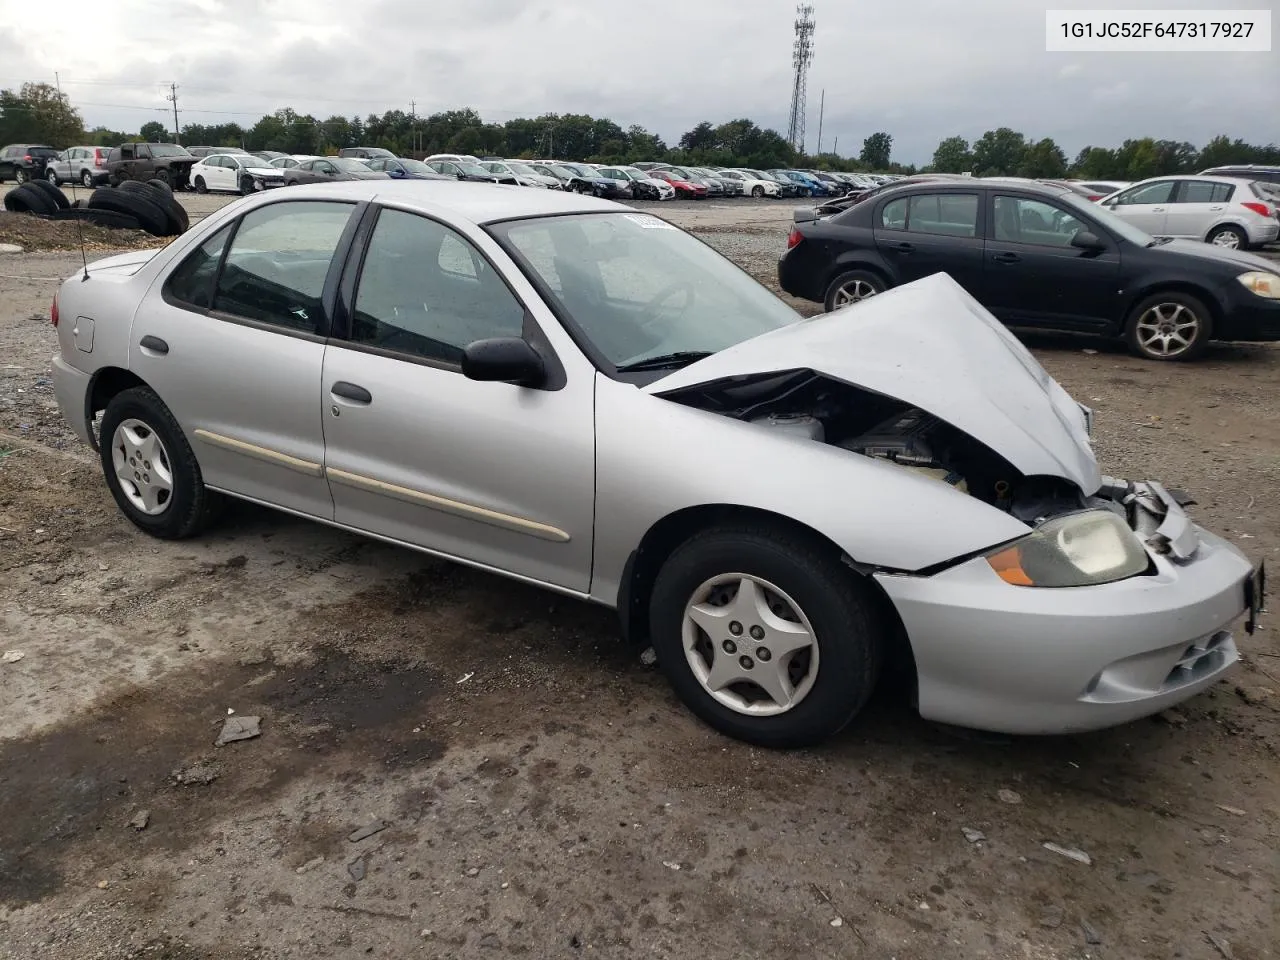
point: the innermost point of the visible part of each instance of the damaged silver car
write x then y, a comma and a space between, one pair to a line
574, 394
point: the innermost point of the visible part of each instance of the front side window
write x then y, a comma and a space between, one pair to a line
638, 288
1204, 191
1160, 192
425, 291
1020, 220
279, 258
192, 282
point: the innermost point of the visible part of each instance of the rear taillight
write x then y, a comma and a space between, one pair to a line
53, 311
27, 158
1259, 208
1094, 198
794, 238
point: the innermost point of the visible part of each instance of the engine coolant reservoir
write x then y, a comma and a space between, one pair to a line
799, 424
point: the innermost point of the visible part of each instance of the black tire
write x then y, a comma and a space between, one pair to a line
757, 192
191, 505
856, 279
246, 186
20, 176
52, 192
162, 185
101, 218
86, 178
51, 175
28, 198
160, 193
839, 607
143, 207
164, 176
201, 186
1222, 236
1155, 319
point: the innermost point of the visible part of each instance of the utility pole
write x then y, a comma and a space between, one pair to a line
836, 148
822, 104
173, 96
413, 124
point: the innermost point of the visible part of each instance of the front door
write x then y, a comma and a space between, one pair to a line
1146, 206
932, 233
1034, 276
493, 473
236, 352
1196, 206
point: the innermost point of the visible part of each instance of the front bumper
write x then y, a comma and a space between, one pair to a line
71, 389
1247, 316
1022, 660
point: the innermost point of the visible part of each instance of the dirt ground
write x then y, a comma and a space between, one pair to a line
540, 792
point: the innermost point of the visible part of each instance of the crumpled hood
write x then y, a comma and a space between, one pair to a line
932, 345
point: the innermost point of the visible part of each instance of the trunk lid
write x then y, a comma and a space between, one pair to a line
932, 345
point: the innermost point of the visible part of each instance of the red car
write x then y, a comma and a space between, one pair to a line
684, 189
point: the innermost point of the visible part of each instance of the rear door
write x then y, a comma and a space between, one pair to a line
1145, 206
234, 344
1196, 206
927, 233
1035, 277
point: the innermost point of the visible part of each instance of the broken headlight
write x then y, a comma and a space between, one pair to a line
1078, 550
1261, 283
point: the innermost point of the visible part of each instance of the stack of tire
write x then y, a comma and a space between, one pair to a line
133, 205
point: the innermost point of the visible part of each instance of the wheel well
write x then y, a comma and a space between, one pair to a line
671, 531
104, 386
1226, 226
1191, 290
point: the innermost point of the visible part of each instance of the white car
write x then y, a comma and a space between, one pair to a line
236, 172
524, 175
752, 185
455, 157
1224, 211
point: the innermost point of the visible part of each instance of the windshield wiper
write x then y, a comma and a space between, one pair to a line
1159, 241
665, 361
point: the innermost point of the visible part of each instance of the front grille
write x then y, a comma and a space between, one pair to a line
1200, 658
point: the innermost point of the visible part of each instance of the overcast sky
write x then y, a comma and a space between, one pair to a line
919, 69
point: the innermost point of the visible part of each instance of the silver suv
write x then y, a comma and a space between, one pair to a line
86, 165
1224, 211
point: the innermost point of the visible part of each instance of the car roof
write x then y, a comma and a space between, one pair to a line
1211, 178
451, 200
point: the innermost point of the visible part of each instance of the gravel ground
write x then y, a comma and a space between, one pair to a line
543, 793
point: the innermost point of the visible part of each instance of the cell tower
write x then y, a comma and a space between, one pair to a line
801, 57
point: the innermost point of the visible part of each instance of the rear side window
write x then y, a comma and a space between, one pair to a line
1203, 191
192, 282
279, 258
944, 214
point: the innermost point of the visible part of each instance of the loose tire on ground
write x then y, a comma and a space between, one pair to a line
852, 286
53, 193
143, 208
162, 185
27, 198
101, 218
159, 192
1169, 326
190, 505
839, 608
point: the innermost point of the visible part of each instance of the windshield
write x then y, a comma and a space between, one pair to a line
416, 166
347, 165
582, 170
523, 170
472, 169
563, 172
637, 287
168, 150
1116, 225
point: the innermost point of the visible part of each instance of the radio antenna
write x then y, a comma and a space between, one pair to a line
84, 257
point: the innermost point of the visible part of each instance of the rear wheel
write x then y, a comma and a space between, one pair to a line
201, 187
1233, 238
764, 635
20, 176
1169, 326
851, 287
51, 175
150, 468
86, 178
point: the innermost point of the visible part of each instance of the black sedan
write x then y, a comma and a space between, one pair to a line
466, 170
398, 168
1037, 256
328, 169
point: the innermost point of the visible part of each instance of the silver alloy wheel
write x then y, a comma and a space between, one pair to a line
1167, 329
852, 292
86, 178
142, 466
749, 645
1226, 238
52, 176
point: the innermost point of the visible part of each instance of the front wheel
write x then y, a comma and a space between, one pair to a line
1232, 238
757, 192
150, 468
764, 635
51, 175
86, 178
19, 176
1169, 326
165, 176
851, 287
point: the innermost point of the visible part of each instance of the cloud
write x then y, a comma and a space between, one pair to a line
921, 70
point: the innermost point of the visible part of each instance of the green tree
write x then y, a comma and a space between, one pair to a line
1043, 160
876, 150
38, 113
998, 153
1096, 163
701, 137
153, 131
953, 156
104, 137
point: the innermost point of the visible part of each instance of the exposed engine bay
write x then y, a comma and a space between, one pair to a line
818, 408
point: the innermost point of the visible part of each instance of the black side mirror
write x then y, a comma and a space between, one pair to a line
504, 359
1087, 241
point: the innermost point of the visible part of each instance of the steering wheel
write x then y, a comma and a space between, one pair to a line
653, 324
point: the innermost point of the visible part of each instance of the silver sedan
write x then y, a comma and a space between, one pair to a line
578, 395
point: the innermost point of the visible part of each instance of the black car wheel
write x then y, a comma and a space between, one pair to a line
851, 287
163, 174
765, 635
1169, 326
19, 176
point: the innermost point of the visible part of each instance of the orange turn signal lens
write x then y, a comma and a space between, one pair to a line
1008, 567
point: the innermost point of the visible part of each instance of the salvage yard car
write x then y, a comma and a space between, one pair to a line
577, 395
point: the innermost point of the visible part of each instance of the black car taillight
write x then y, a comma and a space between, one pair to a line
794, 238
